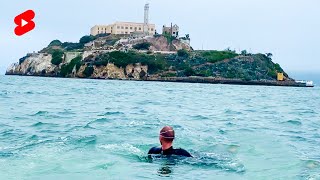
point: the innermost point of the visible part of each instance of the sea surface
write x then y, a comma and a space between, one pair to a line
53, 128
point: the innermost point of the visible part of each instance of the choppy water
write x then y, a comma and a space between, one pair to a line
90, 129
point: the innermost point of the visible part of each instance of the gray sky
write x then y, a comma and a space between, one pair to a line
290, 29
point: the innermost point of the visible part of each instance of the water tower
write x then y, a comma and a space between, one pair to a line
146, 19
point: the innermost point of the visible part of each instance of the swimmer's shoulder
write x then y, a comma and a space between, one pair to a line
182, 152
155, 150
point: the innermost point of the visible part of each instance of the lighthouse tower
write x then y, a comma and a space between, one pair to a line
146, 19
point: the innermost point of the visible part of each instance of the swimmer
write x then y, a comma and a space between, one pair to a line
166, 138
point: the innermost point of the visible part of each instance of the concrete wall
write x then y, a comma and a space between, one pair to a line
68, 56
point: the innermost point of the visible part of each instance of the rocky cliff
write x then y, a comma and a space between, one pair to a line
39, 64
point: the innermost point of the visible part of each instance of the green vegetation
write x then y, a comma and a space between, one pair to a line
88, 71
122, 59
183, 53
69, 46
21, 60
216, 56
55, 43
189, 72
86, 39
67, 69
57, 57
142, 46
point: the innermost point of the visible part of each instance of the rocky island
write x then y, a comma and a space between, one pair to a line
149, 58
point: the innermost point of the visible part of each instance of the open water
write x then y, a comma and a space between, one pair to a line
54, 128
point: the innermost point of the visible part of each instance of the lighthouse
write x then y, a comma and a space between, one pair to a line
146, 20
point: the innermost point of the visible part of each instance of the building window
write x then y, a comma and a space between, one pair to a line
98, 29
174, 32
105, 29
122, 27
135, 28
118, 27
126, 32
151, 29
98, 32
140, 28
131, 28
127, 28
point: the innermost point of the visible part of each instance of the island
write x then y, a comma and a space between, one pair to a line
150, 58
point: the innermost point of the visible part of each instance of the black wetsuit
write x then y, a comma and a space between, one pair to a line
170, 151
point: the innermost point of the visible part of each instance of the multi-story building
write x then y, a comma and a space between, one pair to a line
127, 27
122, 28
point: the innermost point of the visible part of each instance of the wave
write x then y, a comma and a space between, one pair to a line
40, 113
6, 154
112, 113
295, 122
202, 160
41, 124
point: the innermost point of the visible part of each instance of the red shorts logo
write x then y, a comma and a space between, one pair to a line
24, 23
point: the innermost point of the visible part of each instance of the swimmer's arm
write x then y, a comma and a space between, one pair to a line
185, 153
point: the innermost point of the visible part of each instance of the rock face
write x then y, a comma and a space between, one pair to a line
136, 71
37, 64
108, 72
40, 65
161, 44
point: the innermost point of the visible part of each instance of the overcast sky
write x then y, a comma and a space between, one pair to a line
290, 29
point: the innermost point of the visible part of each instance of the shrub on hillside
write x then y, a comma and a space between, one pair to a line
122, 59
142, 46
183, 53
69, 46
216, 56
86, 39
57, 57
88, 71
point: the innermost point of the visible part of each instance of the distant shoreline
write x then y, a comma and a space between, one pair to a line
195, 79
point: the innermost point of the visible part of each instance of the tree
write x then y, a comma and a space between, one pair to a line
244, 52
86, 39
57, 57
188, 36
269, 55
55, 43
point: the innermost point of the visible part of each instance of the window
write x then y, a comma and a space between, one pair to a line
98, 29
131, 28
174, 32
135, 28
118, 27
98, 32
105, 29
151, 29
140, 28
122, 27
126, 32
127, 28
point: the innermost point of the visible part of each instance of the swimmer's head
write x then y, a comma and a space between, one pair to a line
166, 135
